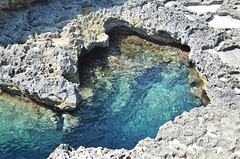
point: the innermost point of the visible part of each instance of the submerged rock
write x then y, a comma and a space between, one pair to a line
69, 122
201, 133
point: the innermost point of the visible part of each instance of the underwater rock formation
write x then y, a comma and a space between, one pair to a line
44, 67
131, 56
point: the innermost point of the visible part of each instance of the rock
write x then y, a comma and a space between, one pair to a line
23, 121
69, 122
199, 83
62, 151
230, 8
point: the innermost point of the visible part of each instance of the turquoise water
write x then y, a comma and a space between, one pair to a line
128, 91
27, 131
125, 110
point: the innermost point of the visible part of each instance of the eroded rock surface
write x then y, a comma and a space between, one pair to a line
43, 67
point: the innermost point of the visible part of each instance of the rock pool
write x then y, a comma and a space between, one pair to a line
127, 91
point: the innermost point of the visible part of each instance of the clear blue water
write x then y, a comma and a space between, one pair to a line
126, 96
128, 110
27, 130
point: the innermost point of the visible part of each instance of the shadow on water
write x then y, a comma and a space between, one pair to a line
44, 16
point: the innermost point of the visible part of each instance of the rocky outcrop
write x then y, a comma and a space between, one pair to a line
230, 8
43, 67
25, 71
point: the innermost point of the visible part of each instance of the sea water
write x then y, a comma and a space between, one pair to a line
27, 130
127, 91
